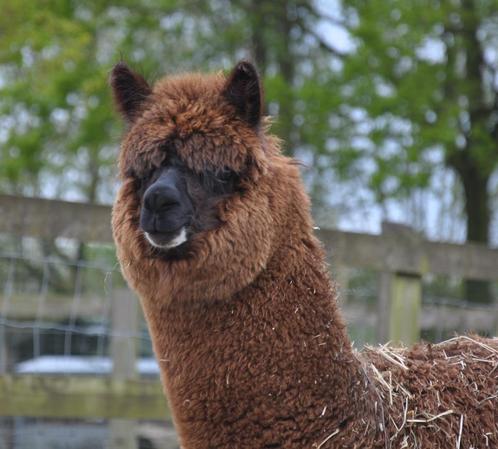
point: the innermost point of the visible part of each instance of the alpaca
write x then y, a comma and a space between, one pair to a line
213, 231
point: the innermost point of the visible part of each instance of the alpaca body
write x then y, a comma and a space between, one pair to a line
213, 231
438, 396
270, 368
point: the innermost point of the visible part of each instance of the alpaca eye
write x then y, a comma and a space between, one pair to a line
147, 176
144, 178
219, 182
226, 175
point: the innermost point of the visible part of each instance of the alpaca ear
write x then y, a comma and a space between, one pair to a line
129, 90
243, 90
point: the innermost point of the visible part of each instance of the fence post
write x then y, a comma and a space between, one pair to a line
384, 306
123, 351
400, 293
406, 302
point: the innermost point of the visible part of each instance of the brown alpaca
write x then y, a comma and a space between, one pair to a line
213, 231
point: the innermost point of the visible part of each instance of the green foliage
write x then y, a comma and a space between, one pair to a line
406, 99
421, 79
55, 107
58, 131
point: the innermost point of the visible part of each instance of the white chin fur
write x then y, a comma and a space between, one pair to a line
180, 238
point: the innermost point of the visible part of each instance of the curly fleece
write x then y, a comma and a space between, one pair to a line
252, 348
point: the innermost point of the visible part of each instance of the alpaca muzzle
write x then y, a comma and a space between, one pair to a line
166, 210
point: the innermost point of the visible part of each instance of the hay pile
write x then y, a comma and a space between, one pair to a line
437, 396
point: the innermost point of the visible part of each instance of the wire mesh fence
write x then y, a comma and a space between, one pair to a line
39, 433
50, 306
56, 321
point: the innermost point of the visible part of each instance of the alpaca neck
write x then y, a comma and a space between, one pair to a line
271, 367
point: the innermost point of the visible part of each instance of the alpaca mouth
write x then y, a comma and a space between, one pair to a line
167, 240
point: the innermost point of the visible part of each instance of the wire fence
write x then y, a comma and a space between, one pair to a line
49, 306
39, 433
56, 319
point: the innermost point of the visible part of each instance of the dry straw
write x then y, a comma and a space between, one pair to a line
438, 396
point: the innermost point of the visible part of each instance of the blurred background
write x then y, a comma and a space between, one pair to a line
392, 106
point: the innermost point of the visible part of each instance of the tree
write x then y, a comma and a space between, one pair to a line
58, 126
421, 88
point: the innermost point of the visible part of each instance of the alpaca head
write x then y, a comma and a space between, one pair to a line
204, 192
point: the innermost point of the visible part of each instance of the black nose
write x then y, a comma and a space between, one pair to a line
159, 198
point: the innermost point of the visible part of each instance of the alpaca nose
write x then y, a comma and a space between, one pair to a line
159, 198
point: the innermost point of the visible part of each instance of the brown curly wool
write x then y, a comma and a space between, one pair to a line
252, 348
438, 396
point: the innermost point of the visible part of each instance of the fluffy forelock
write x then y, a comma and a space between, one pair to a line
189, 115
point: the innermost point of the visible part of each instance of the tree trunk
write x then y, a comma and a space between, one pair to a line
475, 180
477, 210
258, 15
286, 64
473, 173
91, 197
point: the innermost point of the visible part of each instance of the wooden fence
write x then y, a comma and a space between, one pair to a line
399, 255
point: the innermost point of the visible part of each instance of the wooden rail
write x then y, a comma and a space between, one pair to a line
81, 397
397, 249
49, 219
